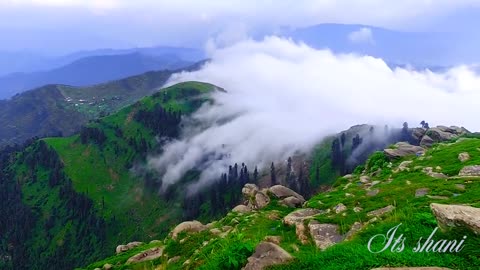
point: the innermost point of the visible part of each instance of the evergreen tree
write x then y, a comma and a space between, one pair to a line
273, 176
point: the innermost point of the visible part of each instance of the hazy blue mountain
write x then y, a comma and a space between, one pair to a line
92, 70
417, 48
27, 61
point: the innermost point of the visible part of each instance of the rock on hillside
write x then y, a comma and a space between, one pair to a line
449, 216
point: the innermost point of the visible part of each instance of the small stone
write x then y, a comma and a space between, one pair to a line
434, 197
340, 208
421, 192
349, 195
374, 183
408, 182
381, 211
364, 179
173, 260
463, 157
273, 239
356, 227
373, 192
460, 186
215, 231
267, 254
107, 266
357, 209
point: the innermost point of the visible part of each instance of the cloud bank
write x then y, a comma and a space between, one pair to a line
362, 35
285, 97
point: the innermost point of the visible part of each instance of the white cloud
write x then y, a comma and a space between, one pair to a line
362, 35
284, 97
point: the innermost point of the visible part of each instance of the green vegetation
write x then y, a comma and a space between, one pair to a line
398, 188
69, 184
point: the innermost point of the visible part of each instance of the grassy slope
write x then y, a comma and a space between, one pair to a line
204, 251
131, 212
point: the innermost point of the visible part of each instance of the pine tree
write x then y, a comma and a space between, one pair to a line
273, 176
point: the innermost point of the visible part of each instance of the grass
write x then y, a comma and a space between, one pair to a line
207, 251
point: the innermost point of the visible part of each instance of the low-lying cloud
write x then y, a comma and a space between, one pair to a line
285, 97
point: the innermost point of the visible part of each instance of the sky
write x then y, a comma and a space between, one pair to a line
59, 26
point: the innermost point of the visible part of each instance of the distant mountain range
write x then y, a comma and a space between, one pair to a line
27, 62
91, 70
421, 49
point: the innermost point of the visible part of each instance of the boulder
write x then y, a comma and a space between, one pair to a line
255, 198
146, 255
107, 266
267, 254
426, 141
473, 170
381, 211
241, 209
249, 191
297, 218
324, 235
261, 200
292, 202
188, 226
123, 248
418, 133
403, 149
449, 216
463, 156
440, 134
281, 192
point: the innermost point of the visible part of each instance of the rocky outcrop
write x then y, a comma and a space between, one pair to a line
426, 141
441, 133
267, 254
281, 192
241, 209
146, 255
123, 248
188, 226
255, 198
449, 216
473, 170
324, 235
402, 149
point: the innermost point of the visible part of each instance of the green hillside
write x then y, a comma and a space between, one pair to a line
54, 110
80, 195
402, 189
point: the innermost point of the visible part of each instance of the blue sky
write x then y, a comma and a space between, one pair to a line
59, 26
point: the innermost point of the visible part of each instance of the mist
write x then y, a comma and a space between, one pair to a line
284, 97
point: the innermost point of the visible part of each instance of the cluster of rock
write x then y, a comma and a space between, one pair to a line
426, 137
256, 198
